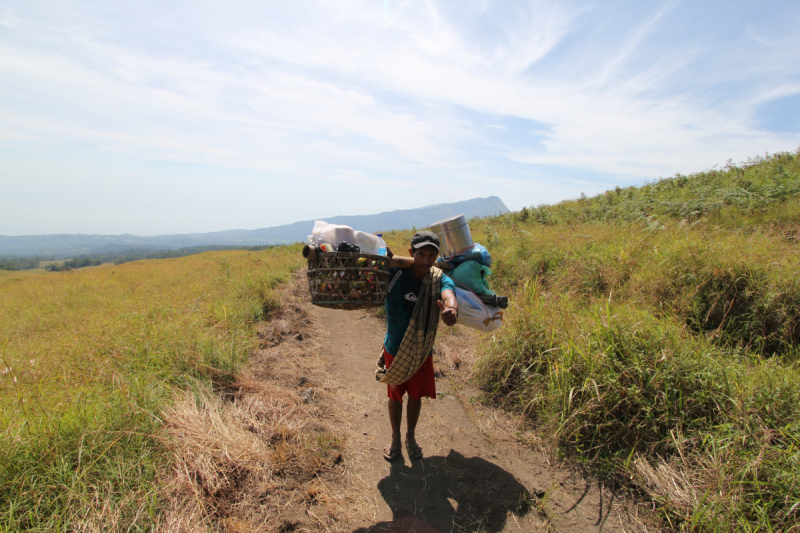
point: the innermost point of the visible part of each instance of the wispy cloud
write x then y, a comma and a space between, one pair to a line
613, 69
303, 109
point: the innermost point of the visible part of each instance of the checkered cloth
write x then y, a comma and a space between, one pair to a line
418, 340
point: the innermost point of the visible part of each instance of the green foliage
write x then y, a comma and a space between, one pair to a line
654, 335
96, 458
610, 384
89, 359
735, 196
71, 264
119, 258
18, 263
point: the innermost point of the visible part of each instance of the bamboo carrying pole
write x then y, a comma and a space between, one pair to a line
397, 261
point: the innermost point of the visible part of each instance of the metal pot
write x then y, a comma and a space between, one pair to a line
454, 235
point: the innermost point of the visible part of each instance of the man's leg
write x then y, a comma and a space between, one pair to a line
412, 417
395, 417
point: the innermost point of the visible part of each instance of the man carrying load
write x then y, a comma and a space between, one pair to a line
416, 298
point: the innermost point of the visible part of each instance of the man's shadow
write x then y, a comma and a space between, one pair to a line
453, 493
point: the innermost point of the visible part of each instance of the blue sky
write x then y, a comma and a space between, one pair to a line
157, 117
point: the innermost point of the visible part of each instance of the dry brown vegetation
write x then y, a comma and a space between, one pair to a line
89, 360
265, 452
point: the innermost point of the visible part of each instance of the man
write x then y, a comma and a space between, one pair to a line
412, 319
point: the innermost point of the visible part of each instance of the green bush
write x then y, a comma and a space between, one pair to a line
612, 384
653, 334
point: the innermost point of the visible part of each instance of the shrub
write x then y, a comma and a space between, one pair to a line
653, 334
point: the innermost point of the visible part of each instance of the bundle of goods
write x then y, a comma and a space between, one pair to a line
472, 275
474, 313
330, 237
478, 306
344, 270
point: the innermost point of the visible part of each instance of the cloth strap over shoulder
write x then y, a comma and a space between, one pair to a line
394, 280
418, 340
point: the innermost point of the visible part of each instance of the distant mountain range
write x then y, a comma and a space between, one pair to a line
70, 245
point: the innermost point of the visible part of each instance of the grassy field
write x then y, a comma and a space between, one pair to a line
88, 361
14, 275
654, 335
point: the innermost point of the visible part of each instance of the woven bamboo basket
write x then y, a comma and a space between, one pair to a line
343, 280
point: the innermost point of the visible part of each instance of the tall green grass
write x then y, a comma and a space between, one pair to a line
737, 196
653, 335
89, 359
612, 384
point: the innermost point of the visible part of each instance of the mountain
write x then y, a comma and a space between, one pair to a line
70, 245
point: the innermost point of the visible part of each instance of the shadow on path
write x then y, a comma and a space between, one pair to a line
453, 493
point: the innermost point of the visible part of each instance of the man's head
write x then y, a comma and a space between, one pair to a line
424, 249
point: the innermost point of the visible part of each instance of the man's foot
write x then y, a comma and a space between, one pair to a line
393, 453
414, 450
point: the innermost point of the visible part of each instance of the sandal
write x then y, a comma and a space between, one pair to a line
392, 454
414, 449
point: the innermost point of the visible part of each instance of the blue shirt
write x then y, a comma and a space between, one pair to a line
400, 304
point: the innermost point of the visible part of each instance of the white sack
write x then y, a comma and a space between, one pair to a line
332, 234
367, 242
475, 314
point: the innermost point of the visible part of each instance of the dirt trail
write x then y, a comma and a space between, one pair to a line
465, 482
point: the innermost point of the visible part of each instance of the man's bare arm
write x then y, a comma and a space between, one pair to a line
448, 306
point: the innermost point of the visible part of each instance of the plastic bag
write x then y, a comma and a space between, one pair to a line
332, 234
472, 275
476, 252
367, 242
475, 314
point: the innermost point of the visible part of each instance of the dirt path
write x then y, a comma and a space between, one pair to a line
466, 482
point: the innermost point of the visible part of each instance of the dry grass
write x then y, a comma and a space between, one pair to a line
66, 333
122, 380
16, 275
456, 352
673, 481
267, 452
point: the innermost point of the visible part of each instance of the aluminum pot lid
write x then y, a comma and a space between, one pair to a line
449, 224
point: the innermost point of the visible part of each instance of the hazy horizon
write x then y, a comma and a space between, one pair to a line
291, 223
341, 215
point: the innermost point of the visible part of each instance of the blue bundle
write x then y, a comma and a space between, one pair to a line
476, 252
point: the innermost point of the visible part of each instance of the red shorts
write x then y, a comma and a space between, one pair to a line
422, 383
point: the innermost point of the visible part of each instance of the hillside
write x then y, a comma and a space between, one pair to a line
67, 245
653, 339
92, 360
654, 335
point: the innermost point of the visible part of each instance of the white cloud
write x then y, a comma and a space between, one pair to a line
318, 102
